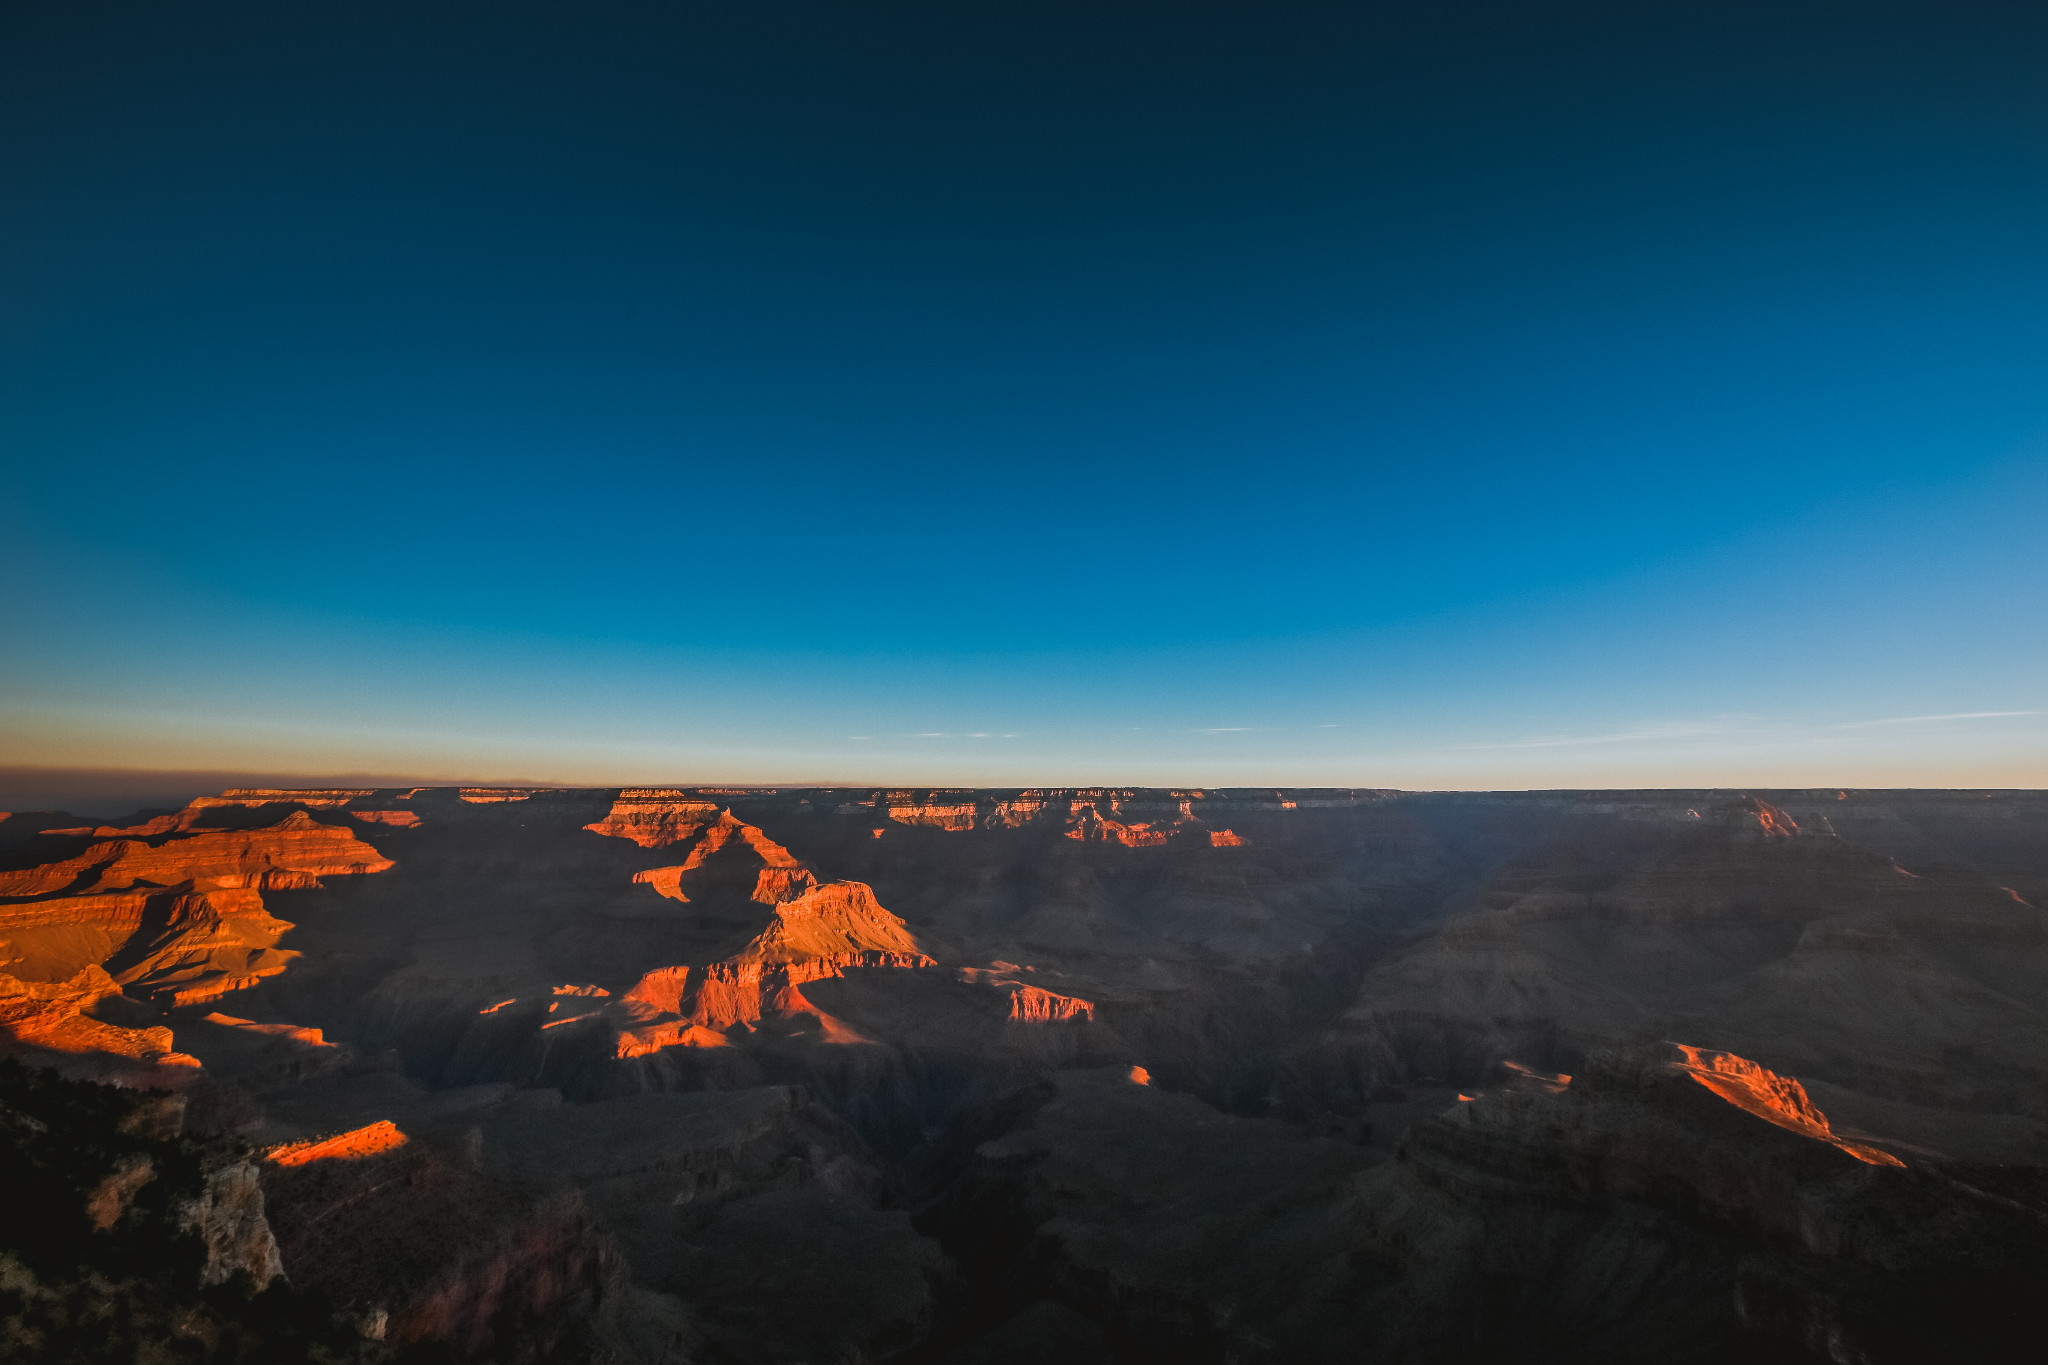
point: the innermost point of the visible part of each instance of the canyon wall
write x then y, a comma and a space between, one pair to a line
1688, 1058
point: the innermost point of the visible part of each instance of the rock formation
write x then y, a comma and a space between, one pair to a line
1771, 1097
354, 1145
421, 1246
931, 809
402, 819
47, 1021
818, 932
178, 918
1034, 1005
226, 1215
777, 876
119, 1228
653, 817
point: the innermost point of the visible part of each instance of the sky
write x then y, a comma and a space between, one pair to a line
1533, 394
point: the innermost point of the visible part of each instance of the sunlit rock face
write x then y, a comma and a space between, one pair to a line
1252, 1074
47, 1021
822, 932
655, 816
1130, 817
291, 854
1036, 1005
1773, 1098
933, 811
177, 918
354, 1145
745, 850
404, 819
812, 932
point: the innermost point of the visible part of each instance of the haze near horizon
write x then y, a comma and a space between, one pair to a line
1573, 395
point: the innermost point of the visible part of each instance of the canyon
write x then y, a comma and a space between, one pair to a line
761, 1075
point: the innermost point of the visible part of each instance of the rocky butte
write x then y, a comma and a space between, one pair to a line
1091, 1074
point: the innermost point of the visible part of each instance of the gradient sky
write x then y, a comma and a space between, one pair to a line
1432, 395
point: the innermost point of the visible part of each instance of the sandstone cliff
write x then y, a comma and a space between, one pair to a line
182, 917
822, 932
655, 816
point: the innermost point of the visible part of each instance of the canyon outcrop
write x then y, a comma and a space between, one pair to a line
755, 1075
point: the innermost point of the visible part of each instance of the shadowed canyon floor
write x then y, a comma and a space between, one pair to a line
751, 1076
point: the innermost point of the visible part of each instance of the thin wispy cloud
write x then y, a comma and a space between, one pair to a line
1222, 729
1688, 731
1738, 727
1931, 720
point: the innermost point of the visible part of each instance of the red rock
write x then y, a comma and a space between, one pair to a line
662, 988
1019, 810
1089, 825
655, 816
906, 808
292, 854
305, 1037
1031, 1004
739, 851
819, 934
774, 885
1554, 1083
840, 923
148, 829
729, 830
652, 1038
1755, 816
1775, 1099
263, 796
666, 881
196, 894
46, 1017
368, 1140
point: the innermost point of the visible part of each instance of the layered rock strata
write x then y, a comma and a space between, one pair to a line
177, 919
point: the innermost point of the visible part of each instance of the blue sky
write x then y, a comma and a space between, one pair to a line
1476, 395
